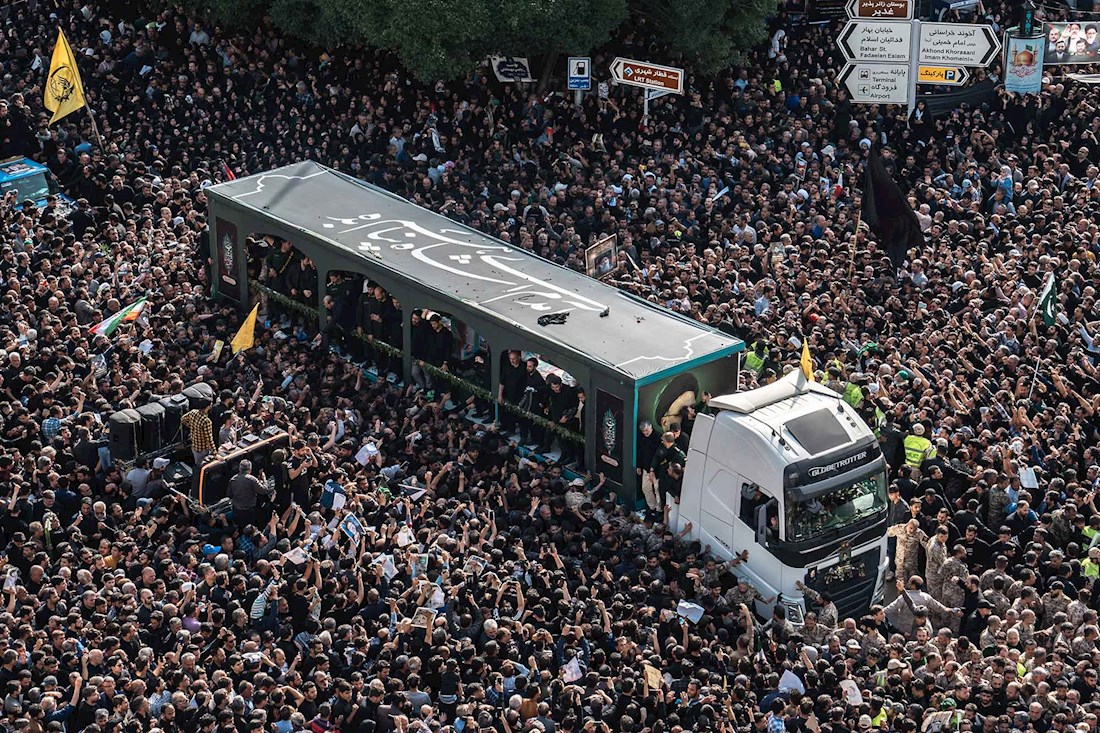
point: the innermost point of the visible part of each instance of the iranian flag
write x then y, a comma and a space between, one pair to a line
130, 313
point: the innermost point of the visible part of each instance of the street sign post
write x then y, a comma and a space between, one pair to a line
958, 44
877, 83
647, 76
579, 73
880, 9
511, 68
650, 95
887, 56
885, 41
952, 76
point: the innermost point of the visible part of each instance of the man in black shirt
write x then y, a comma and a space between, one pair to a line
513, 383
667, 455
301, 461
559, 407
648, 443
245, 491
536, 385
977, 550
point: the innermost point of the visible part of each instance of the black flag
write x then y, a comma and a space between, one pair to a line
887, 212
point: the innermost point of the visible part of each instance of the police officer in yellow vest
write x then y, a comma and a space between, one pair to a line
1090, 566
755, 359
917, 447
853, 390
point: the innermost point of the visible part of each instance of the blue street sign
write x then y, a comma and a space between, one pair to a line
580, 72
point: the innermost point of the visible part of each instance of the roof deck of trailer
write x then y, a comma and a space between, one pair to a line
393, 238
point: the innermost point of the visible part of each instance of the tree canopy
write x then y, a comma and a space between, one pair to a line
445, 39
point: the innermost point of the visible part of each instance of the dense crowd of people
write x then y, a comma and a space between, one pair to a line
486, 592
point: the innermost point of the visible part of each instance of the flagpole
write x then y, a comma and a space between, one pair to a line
95, 128
1035, 375
852, 244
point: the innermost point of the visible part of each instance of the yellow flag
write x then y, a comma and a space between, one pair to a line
807, 363
245, 337
64, 90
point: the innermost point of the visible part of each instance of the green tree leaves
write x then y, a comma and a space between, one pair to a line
446, 39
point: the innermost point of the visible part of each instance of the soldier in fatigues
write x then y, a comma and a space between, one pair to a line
813, 632
1075, 614
1085, 645
999, 570
997, 596
998, 505
954, 571
953, 590
936, 557
827, 615
872, 641
1055, 601
910, 537
849, 632
743, 592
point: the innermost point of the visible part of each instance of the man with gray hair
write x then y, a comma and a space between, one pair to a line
649, 440
244, 492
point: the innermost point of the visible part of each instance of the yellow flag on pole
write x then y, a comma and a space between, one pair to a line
807, 363
64, 90
245, 337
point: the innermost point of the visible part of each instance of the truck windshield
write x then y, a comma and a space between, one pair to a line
810, 518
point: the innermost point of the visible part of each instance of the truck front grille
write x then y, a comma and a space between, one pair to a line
852, 587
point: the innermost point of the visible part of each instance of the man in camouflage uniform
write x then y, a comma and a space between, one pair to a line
1055, 601
743, 592
936, 557
998, 505
1075, 613
827, 615
813, 632
1025, 627
910, 537
1061, 524
999, 570
1027, 580
872, 641
849, 632
996, 596
713, 571
1084, 646
1028, 600
954, 570
953, 591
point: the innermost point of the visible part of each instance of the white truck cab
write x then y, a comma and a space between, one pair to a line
791, 473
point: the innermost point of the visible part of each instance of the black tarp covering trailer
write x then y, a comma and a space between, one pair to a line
635, 360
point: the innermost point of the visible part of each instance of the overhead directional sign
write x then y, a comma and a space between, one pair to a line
952, 76
958, 44
876, 40
580, 72
877, 83
647, 76
880, 9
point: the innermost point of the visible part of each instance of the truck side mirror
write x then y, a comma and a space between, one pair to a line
762, 525
762, 521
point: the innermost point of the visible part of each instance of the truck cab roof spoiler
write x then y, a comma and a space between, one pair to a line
792, 385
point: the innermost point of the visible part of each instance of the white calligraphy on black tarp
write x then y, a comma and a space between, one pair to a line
487, 263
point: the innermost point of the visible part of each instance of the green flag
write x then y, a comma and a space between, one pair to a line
1047, 302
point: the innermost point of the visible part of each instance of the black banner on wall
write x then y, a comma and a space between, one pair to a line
609, 436
229, 255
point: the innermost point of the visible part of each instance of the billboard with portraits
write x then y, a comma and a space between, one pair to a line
1072, 42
